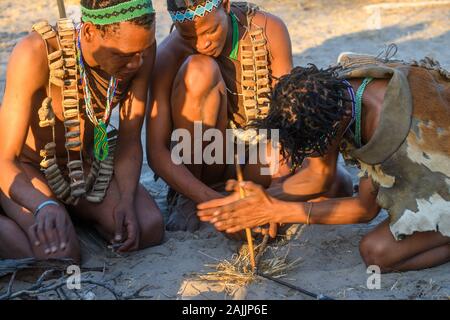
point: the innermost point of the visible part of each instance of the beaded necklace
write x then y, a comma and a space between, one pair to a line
101, 147
359, 95
235, 49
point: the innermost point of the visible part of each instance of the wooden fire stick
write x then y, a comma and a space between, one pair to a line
61, 9
248, 232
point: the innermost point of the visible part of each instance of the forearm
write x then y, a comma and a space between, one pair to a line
313, 180
301, 188
333, 211
127, 168
179, 177
15, 185
299, 192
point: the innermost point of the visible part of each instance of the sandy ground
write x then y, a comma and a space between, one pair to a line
330, 261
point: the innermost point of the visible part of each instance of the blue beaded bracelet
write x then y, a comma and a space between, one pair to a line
44, 204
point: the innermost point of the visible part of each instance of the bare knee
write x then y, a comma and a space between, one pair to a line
151, 229
14, 243
197, 76
375, 252
72, 252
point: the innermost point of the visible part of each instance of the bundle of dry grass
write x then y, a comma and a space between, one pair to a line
237, 271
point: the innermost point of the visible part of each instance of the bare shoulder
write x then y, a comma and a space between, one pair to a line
31, 46
29, 58
27, 73
273, 25
171, 54
279, 42
173, 49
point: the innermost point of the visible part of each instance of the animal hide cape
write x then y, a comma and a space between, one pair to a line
408, 156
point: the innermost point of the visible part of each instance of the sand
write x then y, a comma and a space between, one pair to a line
330, 262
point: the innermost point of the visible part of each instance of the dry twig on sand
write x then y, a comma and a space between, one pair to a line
238, 272
39, 287
8, 266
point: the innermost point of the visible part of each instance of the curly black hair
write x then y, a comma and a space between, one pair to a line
307, 107
144, 21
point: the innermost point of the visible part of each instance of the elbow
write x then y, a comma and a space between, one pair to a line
154, 156
6, 163
148, 153
370, 211
150, 160
152, 163
151, 155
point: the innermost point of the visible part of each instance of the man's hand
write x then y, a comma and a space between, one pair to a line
127, 228
232, 214
51, 229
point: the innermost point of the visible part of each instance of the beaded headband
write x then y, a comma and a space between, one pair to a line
199, 11
124, 11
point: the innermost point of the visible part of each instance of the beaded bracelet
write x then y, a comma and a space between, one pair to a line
45, 204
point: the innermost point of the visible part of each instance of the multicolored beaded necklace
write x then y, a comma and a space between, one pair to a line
101, 147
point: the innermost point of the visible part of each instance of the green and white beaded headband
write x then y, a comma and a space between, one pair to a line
118, 13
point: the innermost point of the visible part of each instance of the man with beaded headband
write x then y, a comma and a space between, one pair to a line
392, 119
57, 156
218, 66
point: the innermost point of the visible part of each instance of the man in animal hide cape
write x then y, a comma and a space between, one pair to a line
392, 119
